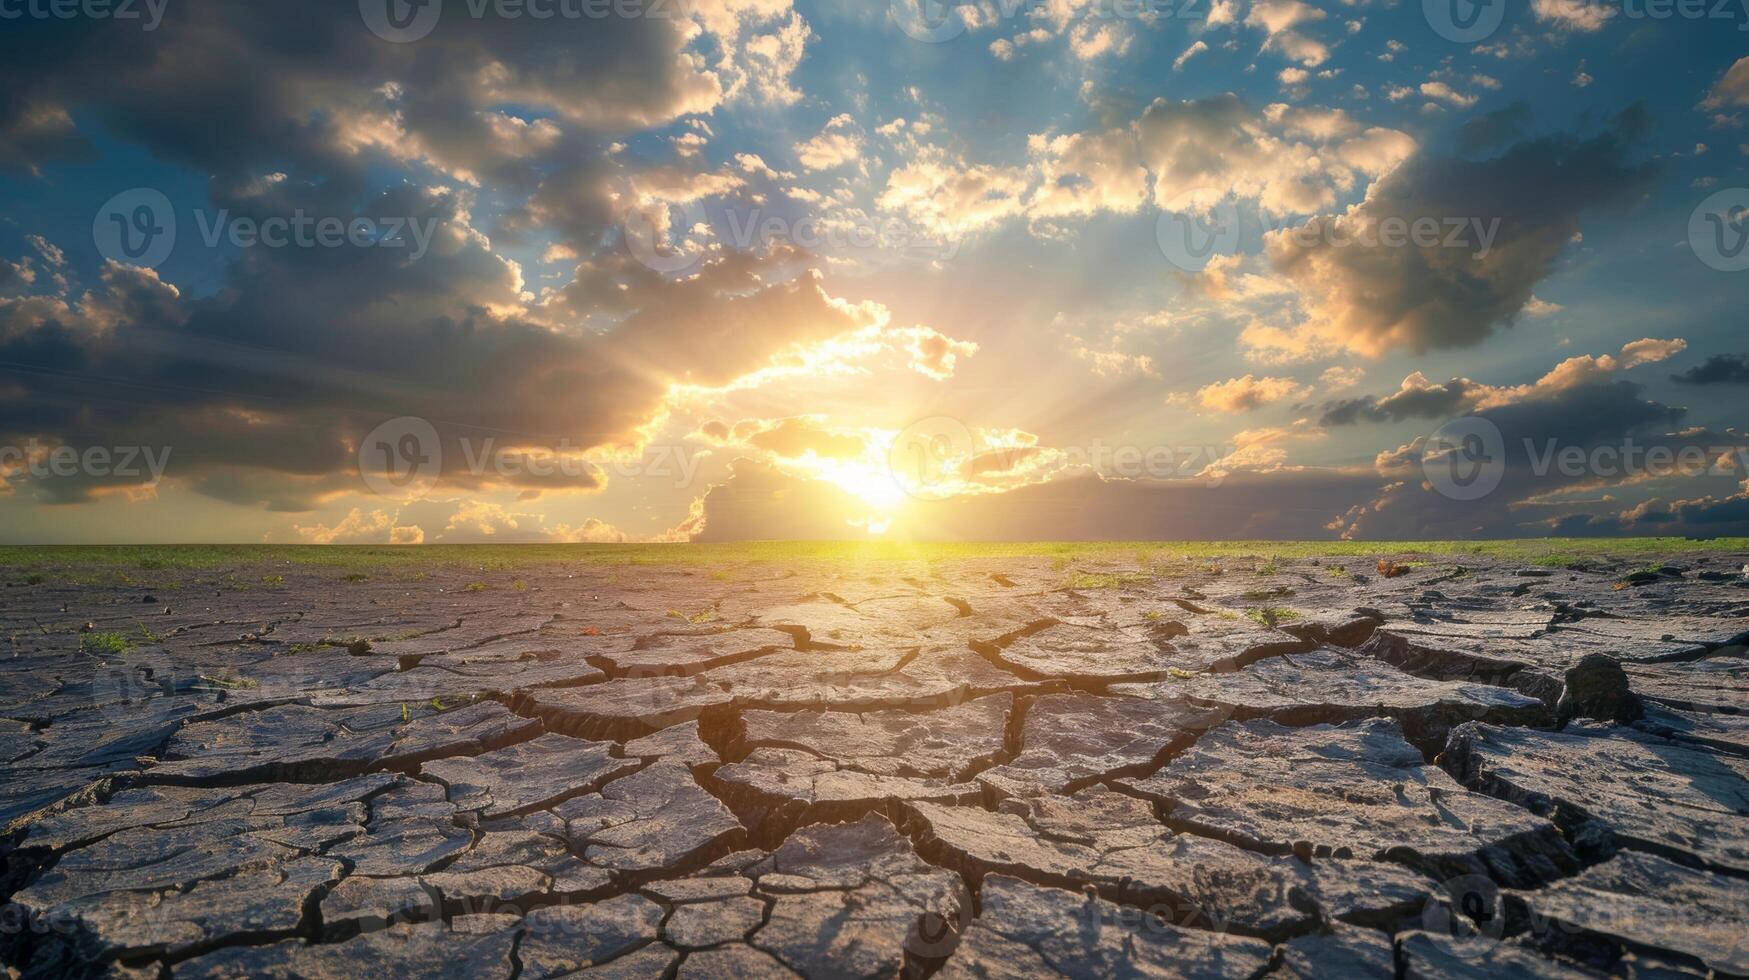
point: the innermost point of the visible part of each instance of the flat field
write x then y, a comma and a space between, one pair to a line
1520, 758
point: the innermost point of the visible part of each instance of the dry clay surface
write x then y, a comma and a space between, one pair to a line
966, 767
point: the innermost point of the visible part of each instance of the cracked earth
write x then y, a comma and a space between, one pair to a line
965, 768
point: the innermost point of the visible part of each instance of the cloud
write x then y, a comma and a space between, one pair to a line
1291, 160
1732, 88
1084, 173
951, 198
1280, 20
1245, 393
1533, 497
1578, 16
934, 354
270, 376
839, 143
1501, 224
798, 437
1719, 369
1419, 398
357, 527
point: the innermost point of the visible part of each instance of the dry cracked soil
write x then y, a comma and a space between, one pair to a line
971, 767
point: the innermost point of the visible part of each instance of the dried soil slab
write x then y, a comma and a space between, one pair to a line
149, 858
404, 847
1711, 632
1710, 729
251, 906
803, 787
528, 776
1073, 651
433, 679
366, 904
730, 963
112, 735
890, 743
1333, 686
657, 819
700, 924
1644, 903
172, 805
295, 674
1336, 627
682, 655
1342, 952
1646, 793
623, 709
475, 629
853, 899
26, 794
300, 742
1428, 955
1072, 740
825, 619
407, 950
1454, 620
1714, 684
843, 680
513, 866
1027, 931
1356, 788
1113, 842
1496, 650
680, 743
562, 939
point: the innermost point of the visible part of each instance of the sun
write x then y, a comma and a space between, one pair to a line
867, 481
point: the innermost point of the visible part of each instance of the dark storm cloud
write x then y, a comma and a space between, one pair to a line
1372, 296
265, 385
1430, 402
229, 87
1492, 130
1611, 416
307, 349
1719, 369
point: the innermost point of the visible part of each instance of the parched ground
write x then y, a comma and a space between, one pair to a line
1093, 762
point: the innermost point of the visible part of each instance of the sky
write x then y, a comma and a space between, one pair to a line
380, 271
